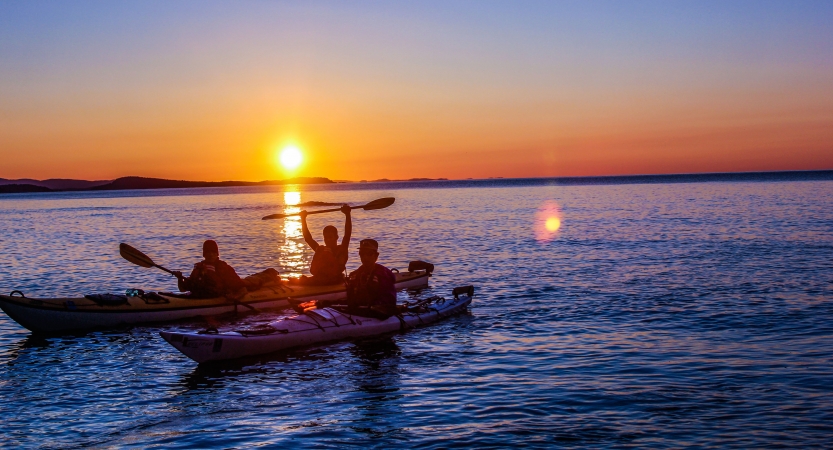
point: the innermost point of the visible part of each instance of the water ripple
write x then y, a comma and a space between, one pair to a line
684, 315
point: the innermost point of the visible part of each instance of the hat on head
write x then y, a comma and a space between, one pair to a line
210, 246
368, 244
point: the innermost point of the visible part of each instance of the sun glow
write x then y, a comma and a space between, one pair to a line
291, 157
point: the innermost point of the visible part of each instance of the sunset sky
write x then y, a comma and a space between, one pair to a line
213, 90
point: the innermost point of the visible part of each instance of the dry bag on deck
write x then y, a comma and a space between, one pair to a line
268, 277
107, 299
420, 265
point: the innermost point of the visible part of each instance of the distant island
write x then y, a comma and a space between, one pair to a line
124, 183
63, 184
60, 184
385, 180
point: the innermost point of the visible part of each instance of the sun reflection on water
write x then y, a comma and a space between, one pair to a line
291, 198
293, 248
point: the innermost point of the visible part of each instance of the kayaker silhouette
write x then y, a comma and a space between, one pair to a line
328, 263
370, 288
211, 277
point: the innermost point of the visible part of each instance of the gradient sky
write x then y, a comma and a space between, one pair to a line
210, 90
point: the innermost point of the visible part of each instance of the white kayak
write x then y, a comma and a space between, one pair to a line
311, 327
56, 315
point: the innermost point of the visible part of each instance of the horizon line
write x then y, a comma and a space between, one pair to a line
422, 179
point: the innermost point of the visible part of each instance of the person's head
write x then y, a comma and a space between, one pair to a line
210, 251
330, 236
368, 251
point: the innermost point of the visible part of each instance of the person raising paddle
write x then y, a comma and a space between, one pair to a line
330, 260
211, 277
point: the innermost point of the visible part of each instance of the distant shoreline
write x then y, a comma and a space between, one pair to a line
129, 183
142, 183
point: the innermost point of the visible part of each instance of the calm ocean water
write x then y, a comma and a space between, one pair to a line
658, 315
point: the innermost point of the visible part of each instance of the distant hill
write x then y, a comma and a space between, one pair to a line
161, 183
386, 180
19, 188
57, 184
60, 184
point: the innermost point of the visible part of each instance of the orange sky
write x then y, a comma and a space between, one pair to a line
412, 94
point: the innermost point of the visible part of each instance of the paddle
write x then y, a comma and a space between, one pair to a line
140, 259
375, 204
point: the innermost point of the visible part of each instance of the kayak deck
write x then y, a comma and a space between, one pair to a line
50, 315
311, 327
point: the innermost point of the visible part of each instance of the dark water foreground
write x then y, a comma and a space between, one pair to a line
660, 315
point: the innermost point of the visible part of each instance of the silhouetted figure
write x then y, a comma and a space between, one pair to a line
328, 263
211, 277
371, 286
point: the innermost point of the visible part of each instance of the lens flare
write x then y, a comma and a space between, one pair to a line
548, 221
553, 224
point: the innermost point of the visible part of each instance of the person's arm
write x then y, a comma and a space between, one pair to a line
390, 287
184, 284
181, 281
348, 226
387, 287
307, 235
231, 279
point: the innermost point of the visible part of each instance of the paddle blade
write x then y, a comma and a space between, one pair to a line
135, 256
379, 203
274, 216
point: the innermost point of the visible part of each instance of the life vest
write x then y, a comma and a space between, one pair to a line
205, 281
213, 279
372, 286
328, 264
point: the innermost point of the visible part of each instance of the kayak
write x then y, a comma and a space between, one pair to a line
311, 327
54, 315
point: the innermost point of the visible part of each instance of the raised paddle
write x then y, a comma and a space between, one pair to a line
379, 203
140, 259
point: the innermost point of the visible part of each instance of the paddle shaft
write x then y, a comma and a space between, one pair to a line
375, 204
166, 270
320, 211
238, 302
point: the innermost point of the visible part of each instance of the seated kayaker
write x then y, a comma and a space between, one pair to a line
211, 277
328, 263
371, 288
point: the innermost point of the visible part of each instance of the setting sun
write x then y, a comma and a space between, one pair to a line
291, 157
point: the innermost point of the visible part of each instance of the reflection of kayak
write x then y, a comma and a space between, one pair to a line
313, 326
50, 315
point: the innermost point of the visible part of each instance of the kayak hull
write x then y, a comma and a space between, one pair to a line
312, 327
57, 315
